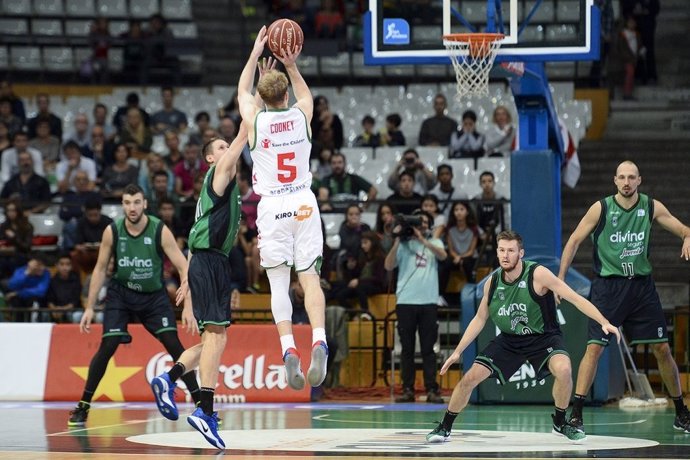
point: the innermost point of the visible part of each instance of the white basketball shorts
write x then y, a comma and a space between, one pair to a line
289, 229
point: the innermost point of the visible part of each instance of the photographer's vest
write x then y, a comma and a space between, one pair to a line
138, 259
621, 238
516, 309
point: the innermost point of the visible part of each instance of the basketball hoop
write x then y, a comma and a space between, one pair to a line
473, 57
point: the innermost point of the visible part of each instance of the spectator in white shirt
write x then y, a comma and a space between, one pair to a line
72, 162
10, 163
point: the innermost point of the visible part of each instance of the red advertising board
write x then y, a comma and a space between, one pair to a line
251, 368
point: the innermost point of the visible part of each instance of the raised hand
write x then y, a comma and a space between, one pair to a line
290, 57
266, 64
260, 42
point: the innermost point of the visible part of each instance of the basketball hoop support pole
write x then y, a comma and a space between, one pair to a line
541, 149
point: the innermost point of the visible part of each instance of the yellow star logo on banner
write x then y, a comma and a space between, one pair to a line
113, 378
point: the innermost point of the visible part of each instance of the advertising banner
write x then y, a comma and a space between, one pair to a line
251, 368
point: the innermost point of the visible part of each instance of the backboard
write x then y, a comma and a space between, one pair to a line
410, 32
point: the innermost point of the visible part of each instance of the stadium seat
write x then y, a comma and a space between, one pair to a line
77, 27
112, 8
115, 59
4, 61
359, 69
14, 26
561, 32
432, 155
46, 27
113, 211
474, 12
47, 231
560, 70
338, 65
184, 30
309, 65
398, 71
568, 11
143, 8
14, 7
48, 7
545, 12
332, 223
117, 28
176, 9
80, 8
25, 57
58, 58
532, 34
465, 177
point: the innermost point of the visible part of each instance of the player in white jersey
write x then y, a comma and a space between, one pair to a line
288, 222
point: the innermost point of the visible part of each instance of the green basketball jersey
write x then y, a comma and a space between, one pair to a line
138, 259
516, 309
621, 238
217, 218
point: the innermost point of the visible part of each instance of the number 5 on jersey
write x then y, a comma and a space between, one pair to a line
286, 172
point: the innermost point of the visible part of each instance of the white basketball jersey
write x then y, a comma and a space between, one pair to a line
281, 152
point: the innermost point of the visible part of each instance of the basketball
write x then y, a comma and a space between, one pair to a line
284, 35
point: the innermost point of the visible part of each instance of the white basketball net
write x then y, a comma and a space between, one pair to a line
472, 61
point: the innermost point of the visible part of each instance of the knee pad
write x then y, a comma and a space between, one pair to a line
281, 306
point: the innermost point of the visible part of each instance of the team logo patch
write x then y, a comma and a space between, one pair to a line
522, 284
303, 213
640, 213
660, 332
265, 143
147, 240
614, 220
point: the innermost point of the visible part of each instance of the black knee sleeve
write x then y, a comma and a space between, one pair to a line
99, 362
171, 342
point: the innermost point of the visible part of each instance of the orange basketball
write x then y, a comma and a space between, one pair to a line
284, 35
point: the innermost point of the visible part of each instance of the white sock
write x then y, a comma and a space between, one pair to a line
287, 341
317, 334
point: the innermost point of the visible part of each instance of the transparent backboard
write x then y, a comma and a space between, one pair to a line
411, 31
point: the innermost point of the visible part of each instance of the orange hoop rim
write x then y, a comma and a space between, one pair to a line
479, 37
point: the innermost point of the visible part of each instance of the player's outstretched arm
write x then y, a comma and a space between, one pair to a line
543, 278
670, 223
98, 277
472, 331
245, 97
226, 168
305, 101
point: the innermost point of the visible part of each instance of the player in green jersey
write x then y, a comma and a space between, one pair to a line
207, 296
137, 242
623, 288
519, 299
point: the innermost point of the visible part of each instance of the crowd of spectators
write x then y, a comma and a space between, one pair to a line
72, 171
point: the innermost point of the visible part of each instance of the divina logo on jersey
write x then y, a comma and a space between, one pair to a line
620, 237
134, 262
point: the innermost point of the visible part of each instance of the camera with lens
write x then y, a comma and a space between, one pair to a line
407, 225
410, 161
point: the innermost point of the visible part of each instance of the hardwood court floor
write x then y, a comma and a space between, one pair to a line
355, 430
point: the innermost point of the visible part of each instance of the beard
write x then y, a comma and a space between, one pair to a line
136, 219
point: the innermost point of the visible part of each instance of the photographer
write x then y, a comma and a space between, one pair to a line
416, 254
412, 164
